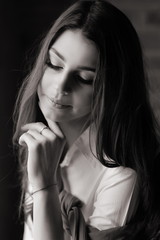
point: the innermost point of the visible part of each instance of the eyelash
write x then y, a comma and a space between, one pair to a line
79, 78
84, 81
50, 65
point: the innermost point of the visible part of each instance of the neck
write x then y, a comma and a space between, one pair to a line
73, 129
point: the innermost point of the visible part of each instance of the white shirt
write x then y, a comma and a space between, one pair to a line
106, 193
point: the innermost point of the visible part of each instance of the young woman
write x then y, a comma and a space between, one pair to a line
86, 131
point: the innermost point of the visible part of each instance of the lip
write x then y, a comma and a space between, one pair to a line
58, 104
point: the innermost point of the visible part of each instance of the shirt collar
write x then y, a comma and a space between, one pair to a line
85, 143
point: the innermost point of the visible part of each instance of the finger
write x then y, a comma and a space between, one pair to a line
32, 126
39, 129
47, 133
39, 126
36, 135
26, 139
55, 128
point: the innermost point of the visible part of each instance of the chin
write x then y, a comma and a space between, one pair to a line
63, 116
55, 117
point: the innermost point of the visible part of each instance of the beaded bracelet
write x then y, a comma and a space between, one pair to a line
44, 188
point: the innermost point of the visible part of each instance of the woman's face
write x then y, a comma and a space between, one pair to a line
65, 90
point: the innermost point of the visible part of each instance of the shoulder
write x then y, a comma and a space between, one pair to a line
117, 179
113, 197
119, 173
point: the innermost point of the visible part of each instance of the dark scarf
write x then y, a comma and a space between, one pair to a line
75, 226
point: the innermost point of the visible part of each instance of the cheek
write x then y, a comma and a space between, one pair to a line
43, 83
83, 99
41, 91
46, 80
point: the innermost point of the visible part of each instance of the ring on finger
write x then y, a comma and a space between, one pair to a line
45, 127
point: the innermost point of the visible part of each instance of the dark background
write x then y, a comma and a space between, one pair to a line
22, 24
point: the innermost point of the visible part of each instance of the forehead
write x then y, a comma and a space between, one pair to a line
76, 48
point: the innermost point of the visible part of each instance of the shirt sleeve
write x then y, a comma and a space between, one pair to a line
113, 197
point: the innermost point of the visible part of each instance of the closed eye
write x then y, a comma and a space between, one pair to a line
84, 81
55, 67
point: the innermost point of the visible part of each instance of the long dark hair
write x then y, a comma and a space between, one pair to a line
127, 131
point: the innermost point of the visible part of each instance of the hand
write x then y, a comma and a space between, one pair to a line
44, 152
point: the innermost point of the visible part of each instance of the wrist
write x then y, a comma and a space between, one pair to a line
42, 189
42, 183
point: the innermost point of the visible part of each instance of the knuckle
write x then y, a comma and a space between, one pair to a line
40, 124
29, 131
43, 141
52, 137
24, 135
35, 146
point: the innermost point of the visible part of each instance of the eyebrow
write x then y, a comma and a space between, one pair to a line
58, 54
87, 68
80, 67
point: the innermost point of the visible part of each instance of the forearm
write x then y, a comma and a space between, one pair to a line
47, 220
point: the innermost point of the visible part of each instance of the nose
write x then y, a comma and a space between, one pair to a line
63, 85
